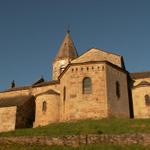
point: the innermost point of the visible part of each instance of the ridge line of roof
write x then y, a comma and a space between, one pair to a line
99, 50
142, 84
31, 86
138, 75
141, 72
50, 91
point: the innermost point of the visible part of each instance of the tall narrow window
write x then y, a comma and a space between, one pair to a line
44, 106
87, 85
64, 94
117, 89
64, 98
147, 100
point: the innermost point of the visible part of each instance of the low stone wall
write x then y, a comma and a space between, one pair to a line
77, 140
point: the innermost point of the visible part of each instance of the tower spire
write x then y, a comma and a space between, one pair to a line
66, 53
67, 48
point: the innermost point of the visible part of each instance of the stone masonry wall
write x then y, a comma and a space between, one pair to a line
25, 114
118, 106
37, 90
77, 140
14, 93
7, 118
33, 91
52, 109
77, 105
141, 109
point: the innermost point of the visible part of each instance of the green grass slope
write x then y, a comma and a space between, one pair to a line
108, 126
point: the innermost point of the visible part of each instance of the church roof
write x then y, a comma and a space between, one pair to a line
40, 84
142, 83
53, 92
95, 54
15, 101
67, 49
138, 75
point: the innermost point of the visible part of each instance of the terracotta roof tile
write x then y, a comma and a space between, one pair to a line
49, 92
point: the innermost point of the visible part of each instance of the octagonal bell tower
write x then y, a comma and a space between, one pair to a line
66, 53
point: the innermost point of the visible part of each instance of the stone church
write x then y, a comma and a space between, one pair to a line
93, 85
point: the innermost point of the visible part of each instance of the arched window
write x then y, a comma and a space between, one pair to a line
44, 106
147, 100
117, 89
87, 85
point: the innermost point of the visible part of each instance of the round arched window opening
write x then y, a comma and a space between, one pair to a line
147, 100
87, 85
44, 106
118, 89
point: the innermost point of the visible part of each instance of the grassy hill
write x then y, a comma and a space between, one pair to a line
107, 126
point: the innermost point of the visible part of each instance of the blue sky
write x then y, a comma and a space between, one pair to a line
31, 32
